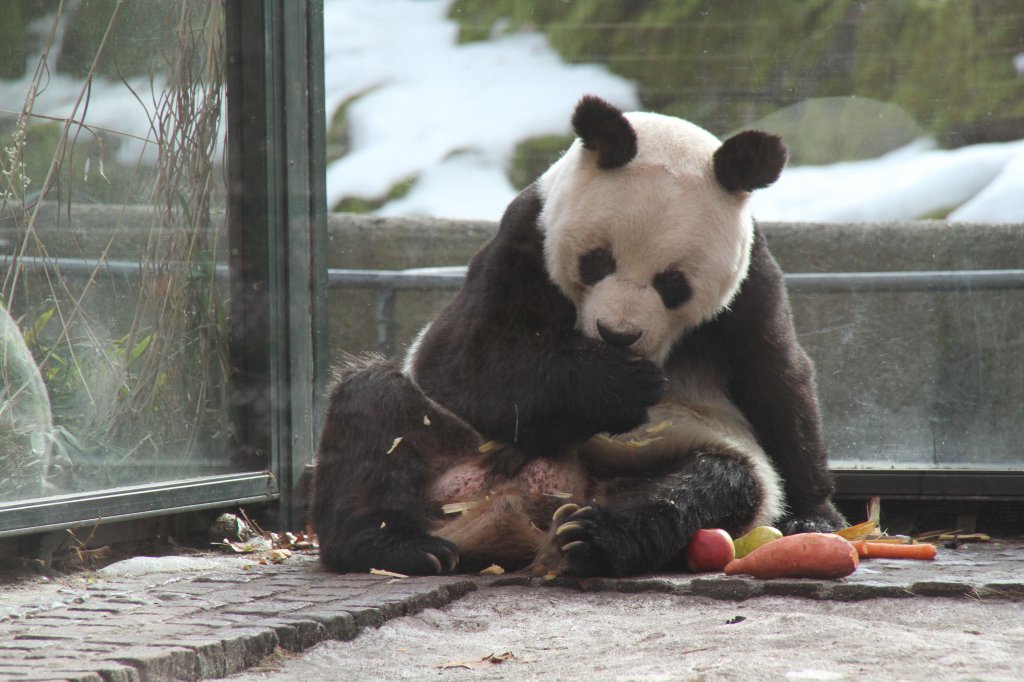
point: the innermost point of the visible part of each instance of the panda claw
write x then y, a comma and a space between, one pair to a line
570, 546
564, 511
568, 528
435, 562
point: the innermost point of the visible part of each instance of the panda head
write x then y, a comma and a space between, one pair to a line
645, 222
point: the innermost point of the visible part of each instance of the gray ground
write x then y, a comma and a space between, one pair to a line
558, 634
213, 614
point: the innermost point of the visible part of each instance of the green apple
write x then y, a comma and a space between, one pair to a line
761, 535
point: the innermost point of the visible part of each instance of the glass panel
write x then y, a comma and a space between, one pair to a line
440, 111
114, 301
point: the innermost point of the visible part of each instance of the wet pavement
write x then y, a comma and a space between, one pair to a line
215, 615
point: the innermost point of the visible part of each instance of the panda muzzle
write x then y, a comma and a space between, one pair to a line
614, 338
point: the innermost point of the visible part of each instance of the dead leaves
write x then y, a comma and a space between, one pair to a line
387, 574
493, 569
487, 661
266, 546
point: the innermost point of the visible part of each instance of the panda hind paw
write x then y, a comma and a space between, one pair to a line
824, 520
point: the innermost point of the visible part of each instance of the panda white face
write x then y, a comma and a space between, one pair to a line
651, 248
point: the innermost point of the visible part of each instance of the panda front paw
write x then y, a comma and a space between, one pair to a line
389, 545
634, 385
825, 519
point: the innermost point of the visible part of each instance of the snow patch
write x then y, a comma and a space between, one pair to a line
911, 182
420, 105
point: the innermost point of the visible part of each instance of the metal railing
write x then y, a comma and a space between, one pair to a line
387, 283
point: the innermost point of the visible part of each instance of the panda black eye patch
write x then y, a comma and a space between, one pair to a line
595, 265
673, 288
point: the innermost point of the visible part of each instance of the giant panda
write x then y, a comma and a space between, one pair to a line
619, 370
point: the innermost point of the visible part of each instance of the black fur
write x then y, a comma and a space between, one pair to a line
526, 376
603, 129
673, 287
646, 528
749, 160
595, 265
370, 505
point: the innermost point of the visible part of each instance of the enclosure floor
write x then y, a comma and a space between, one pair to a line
214, 615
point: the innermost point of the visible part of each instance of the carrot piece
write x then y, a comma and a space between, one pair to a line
889, 550
804, 555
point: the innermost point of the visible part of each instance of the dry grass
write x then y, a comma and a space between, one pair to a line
165, 353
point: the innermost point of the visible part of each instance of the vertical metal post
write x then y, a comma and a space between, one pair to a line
277, 228
384, 309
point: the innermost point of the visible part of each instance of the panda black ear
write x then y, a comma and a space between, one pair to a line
750, 160
604, 130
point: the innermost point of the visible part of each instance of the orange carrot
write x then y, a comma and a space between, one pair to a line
804, 555
890, 550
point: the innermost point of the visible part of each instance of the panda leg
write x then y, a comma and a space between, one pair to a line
383, 444
647, 529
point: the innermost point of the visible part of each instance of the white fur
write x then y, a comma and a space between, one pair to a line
408, 364
663, 210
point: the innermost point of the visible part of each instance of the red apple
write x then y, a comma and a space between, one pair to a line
710, 549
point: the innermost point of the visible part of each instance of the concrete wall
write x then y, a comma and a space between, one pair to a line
905, 378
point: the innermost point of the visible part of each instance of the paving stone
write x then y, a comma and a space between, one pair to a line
339, 625
50, 673
245, 647
246, 593
365, 617
806, 588
736, 589
157, 663
926, 588
295, 634
318, 593
1003, 590
211, 660
264, 608
862, 591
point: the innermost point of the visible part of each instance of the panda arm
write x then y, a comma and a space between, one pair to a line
772, 382
505, 356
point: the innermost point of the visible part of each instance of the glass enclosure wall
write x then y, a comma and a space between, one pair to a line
905, 124
114, 301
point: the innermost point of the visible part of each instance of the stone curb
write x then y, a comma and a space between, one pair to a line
203, 627
182, 626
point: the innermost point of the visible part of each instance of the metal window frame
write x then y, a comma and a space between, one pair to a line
277, 228
278, 277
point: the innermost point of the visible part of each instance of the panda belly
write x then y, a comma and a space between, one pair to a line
501, 520
542, 482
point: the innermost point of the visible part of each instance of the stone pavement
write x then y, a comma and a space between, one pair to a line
212, 615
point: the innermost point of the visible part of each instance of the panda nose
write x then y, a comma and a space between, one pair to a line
613, 338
